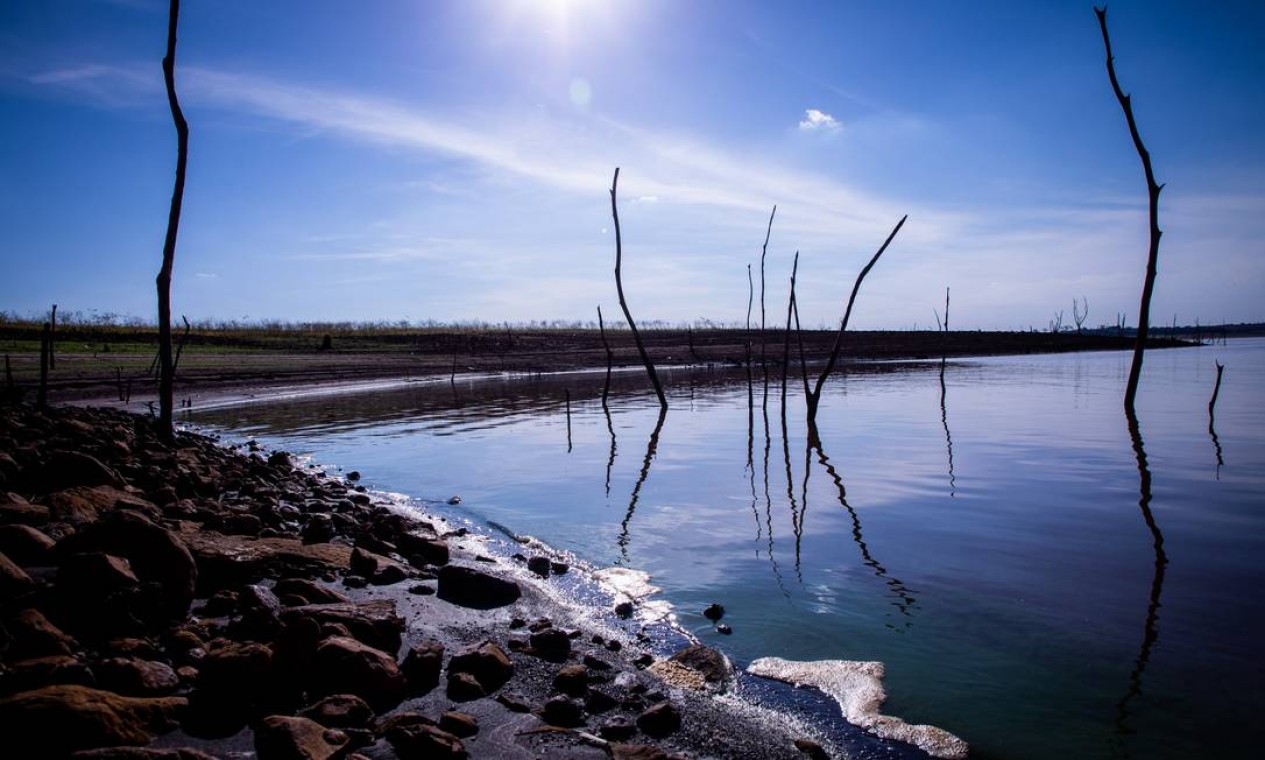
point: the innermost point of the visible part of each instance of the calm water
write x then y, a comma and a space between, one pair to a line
991, 540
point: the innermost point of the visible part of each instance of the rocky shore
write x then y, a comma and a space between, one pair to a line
190, 600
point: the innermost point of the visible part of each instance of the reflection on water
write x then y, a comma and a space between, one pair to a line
1024, 576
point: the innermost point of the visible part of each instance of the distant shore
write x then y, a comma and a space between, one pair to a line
115, 366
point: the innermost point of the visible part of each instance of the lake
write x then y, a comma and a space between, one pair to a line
984, 528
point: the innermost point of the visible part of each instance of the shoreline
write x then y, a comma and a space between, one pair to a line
244, 621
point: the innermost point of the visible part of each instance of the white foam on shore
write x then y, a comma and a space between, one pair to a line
858, 688
631, 585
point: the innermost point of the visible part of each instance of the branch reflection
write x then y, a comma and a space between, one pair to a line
651, 446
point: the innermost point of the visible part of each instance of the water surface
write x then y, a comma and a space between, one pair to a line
986, 528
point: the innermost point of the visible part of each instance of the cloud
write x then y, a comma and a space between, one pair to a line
646, 199
818, 121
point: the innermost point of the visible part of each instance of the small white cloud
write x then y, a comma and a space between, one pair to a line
206, 275
646, 199
815, 121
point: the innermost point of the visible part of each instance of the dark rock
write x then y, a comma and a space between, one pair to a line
34, 636
637, 752
260, 611
467, 587
559, 568
431, 551
14, 582
705, 661
561, 711
61, 719
37, 672
82, 504
14, 510
539, 565
593, 663
232, 561
624, 610
373, 622
486, 662
463, 687
551, 644
459, 724
617, 728
26, 546
812, 749
614, 645
280, 460
598, 702
347, 666
714, 612
142, 753
281, 737
422, 589
135, 677
660, 720
310, 591
422, 666
425, 741
229, 666
319, 529
353, 476
341, 711
573, 680
355, 581
73, 468
513, 703
724, 629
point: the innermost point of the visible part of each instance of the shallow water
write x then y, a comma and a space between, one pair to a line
993, 539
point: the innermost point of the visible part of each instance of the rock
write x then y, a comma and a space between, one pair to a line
14, 582
374, 622
34, 636
65, 718
561, 711
812, 749
229, 665
26, 546
539, 565
714, 612
155, 553
459, 724
724, 629
598, 702
319, 529
73, 468
14, 510
486, 662
260, 611
573, 680
381, 571
617, 728
513, 703
550, 644
464, 687
89, 583
353, 476
135, 677
705, 661
347, 666
310, 591
430, 551
624, 610
660, 720
280, 737
559, 568
422, 666
426, 741
422, 589
232, 561
37, 672
280, 460
82, 504
341, 711
142, 753
468, 587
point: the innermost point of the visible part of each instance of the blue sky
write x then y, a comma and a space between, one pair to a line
452, 160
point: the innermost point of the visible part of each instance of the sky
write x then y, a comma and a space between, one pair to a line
391, 160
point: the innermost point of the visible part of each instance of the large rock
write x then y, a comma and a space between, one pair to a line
231, 561
281, 737
346, 666
14, 582
707, 662
660, 720
26, 545
83, 504
426, 741
14, 510
416, 546
422, 666
309, 591
341, 711
74, 468
155, 553
374, 622
468, 587
135, 677
34, 636
58, 720
486, 662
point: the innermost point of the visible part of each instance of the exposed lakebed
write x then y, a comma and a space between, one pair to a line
991, 538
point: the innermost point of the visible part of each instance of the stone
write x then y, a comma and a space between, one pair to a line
281, 737
231, 561
347, 666
21, 512
135, 677
812, 749
486, 662
73, 468
26, 546
14, 582
430, 551
142, 753
319, 529
37, 672
539, 565
624, 610
83, 504
426, 741
308, 590
372, 622
598, 702
550, 644
422, 666
61, 719
705, 661
714, 612
230, 666
724, 629
660, 720
468, 587
464, 687
34, 636
617, 728
573, 680
637, 752
341, 711
459, 724
562, 712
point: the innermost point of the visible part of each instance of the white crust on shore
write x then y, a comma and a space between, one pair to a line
858, 688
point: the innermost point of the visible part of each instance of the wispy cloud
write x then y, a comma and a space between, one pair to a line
818, 121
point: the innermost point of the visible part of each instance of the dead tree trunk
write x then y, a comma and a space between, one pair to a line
764, 365
814, 398
623, 303
52, 356
166, 364
1153, 206
1216, 391
610, 357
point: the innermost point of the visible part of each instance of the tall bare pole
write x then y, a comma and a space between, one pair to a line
764, 251
167, 369
623, 303
1153, 206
